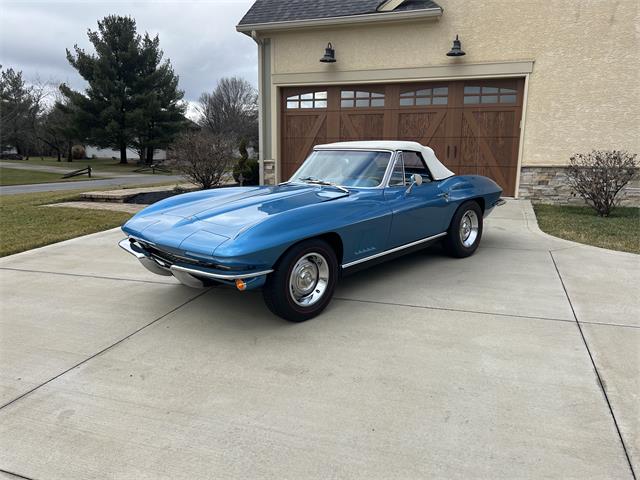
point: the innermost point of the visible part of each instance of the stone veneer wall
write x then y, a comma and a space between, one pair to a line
549, 185
269, 172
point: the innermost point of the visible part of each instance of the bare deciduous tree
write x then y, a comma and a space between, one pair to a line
599, 176
202, 157
231, 110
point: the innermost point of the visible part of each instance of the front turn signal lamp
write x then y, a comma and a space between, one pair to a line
240, 284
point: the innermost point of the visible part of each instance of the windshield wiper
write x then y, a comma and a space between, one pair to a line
317, 181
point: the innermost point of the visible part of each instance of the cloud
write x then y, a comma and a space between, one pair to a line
198, 37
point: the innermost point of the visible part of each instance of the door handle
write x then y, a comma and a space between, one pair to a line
455, 151
448, 148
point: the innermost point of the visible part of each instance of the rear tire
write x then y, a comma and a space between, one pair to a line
303, 281
465, 231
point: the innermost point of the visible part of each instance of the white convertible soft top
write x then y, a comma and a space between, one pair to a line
437, 169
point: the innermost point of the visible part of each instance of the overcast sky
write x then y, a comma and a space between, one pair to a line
198, 36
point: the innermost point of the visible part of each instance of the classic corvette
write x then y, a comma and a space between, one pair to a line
349, 205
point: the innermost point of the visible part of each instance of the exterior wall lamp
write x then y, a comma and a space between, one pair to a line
456, 50
329, 54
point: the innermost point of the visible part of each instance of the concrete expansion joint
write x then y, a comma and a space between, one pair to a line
84, 275
17, 475
477, 312
595, 369
107, 348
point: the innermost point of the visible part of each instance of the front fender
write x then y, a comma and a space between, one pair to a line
362, 222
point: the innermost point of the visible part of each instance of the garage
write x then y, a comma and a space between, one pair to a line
472, 125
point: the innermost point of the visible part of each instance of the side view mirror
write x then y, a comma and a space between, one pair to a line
416, 179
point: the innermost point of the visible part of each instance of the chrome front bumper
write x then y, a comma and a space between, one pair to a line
188, 275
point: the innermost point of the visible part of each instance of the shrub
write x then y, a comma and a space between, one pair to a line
78, 152
246, 167
202, 157
599, 176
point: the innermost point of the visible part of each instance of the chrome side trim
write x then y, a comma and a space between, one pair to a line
393, 250
218, 276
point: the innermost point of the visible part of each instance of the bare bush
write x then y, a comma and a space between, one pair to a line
202, 157
599, 176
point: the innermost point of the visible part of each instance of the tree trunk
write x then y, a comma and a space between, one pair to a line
123, 154
69, 154
59, 156
149, 160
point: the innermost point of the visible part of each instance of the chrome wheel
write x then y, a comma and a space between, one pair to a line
469, 228
309, 279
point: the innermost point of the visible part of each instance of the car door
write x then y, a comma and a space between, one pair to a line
419, 212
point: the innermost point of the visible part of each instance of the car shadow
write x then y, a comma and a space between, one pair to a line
397, 266
247, 311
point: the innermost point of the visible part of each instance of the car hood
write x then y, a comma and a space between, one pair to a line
210, 219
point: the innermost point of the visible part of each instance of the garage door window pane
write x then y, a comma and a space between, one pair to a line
361, 99
307, 100
490, 99
489, 95
424, 97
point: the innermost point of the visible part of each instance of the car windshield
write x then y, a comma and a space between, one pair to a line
348, 168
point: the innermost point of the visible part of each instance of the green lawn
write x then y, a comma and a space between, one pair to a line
620, 231
25, 224
15, 176
97, 164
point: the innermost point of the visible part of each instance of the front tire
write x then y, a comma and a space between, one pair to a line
303, 281
465, 231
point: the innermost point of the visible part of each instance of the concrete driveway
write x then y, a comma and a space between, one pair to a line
522, 361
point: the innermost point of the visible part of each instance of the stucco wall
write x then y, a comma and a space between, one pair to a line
583, 93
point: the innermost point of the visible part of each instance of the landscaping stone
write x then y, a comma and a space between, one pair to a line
117, 207
143, 195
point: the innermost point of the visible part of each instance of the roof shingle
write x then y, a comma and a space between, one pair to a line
276, 11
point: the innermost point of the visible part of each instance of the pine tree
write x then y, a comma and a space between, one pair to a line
161, 110
19, 106
132, 99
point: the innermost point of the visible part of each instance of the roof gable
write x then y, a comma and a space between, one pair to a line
279, 11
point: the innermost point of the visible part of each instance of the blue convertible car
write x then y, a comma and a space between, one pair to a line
349, 205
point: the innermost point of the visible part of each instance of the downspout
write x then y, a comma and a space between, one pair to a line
261, 119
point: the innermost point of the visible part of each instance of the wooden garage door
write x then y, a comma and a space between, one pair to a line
473, 126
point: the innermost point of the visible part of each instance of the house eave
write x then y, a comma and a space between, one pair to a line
345, 20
